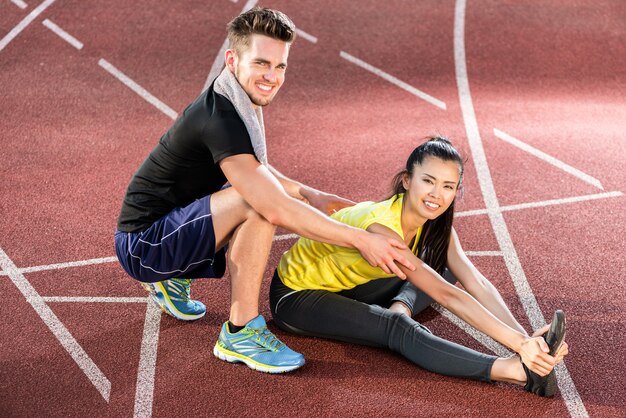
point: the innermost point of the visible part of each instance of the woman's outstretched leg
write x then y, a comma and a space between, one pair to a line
329, 315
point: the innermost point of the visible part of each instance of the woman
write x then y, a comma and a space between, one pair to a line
332, 292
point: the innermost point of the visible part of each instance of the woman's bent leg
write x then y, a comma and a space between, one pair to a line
415, 299
325, 314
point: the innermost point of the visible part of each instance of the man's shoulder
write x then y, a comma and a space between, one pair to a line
217, 103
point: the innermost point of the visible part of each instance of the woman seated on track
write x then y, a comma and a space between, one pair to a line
329, 291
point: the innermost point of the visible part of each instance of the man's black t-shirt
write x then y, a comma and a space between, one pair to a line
184, 165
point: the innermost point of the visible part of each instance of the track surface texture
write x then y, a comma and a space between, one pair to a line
533, 93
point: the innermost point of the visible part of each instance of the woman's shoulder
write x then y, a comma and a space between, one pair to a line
364, 214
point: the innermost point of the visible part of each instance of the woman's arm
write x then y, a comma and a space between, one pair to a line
477, 285
533, 351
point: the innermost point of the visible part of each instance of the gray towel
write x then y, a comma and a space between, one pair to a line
227, 85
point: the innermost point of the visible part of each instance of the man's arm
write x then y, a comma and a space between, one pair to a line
327, 203
265, 194
478, 285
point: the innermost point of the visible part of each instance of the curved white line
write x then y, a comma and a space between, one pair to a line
568, 390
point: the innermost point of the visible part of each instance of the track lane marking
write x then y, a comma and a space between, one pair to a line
484, 253
94, 299
463, 214
62, 34
144, 393
306, 36
548, 158
542, 203
143, 93
561, 201
65, 338
24, 23
393, 80
57, 266
20, 4
570, 395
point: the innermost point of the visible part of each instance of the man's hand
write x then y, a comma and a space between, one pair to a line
382, 251
327, 203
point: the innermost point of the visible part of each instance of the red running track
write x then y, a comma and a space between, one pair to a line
550, 74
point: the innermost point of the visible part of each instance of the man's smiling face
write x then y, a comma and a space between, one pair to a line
260, 68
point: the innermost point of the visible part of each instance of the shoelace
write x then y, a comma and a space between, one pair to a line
181, 287
267, 338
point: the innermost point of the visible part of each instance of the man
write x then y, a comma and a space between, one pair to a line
177, 219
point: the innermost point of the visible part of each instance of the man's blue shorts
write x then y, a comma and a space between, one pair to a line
181, 244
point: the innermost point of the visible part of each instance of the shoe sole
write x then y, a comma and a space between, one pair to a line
160, 298
556, 334
554, 338
232, 357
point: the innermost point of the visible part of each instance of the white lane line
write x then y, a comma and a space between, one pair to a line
95, 299
19, 3
144, 393
570, 395
24, 23
67, 340
548, 158
103, 260
68, 264
218, 62
487, 341
145, 94
393, 80
476, 212
484, 253
306, 36
64, 35
551, 202
284, 237
561, 201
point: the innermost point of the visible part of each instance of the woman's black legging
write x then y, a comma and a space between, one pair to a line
360, 316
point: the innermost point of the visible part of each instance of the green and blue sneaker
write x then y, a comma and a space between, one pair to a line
257, 347
173, 297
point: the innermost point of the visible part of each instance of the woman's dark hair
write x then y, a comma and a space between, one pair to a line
435, 237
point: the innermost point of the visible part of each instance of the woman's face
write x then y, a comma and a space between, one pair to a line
432, 188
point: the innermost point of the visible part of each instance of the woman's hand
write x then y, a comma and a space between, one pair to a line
534, 354
561, 352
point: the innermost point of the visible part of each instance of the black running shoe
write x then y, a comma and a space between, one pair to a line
546, 386
543, 386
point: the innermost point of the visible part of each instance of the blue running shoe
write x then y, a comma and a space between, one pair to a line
173, 297
257, 347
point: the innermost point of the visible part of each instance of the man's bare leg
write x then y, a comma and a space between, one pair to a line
250, 236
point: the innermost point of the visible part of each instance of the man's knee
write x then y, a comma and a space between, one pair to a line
255, 217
